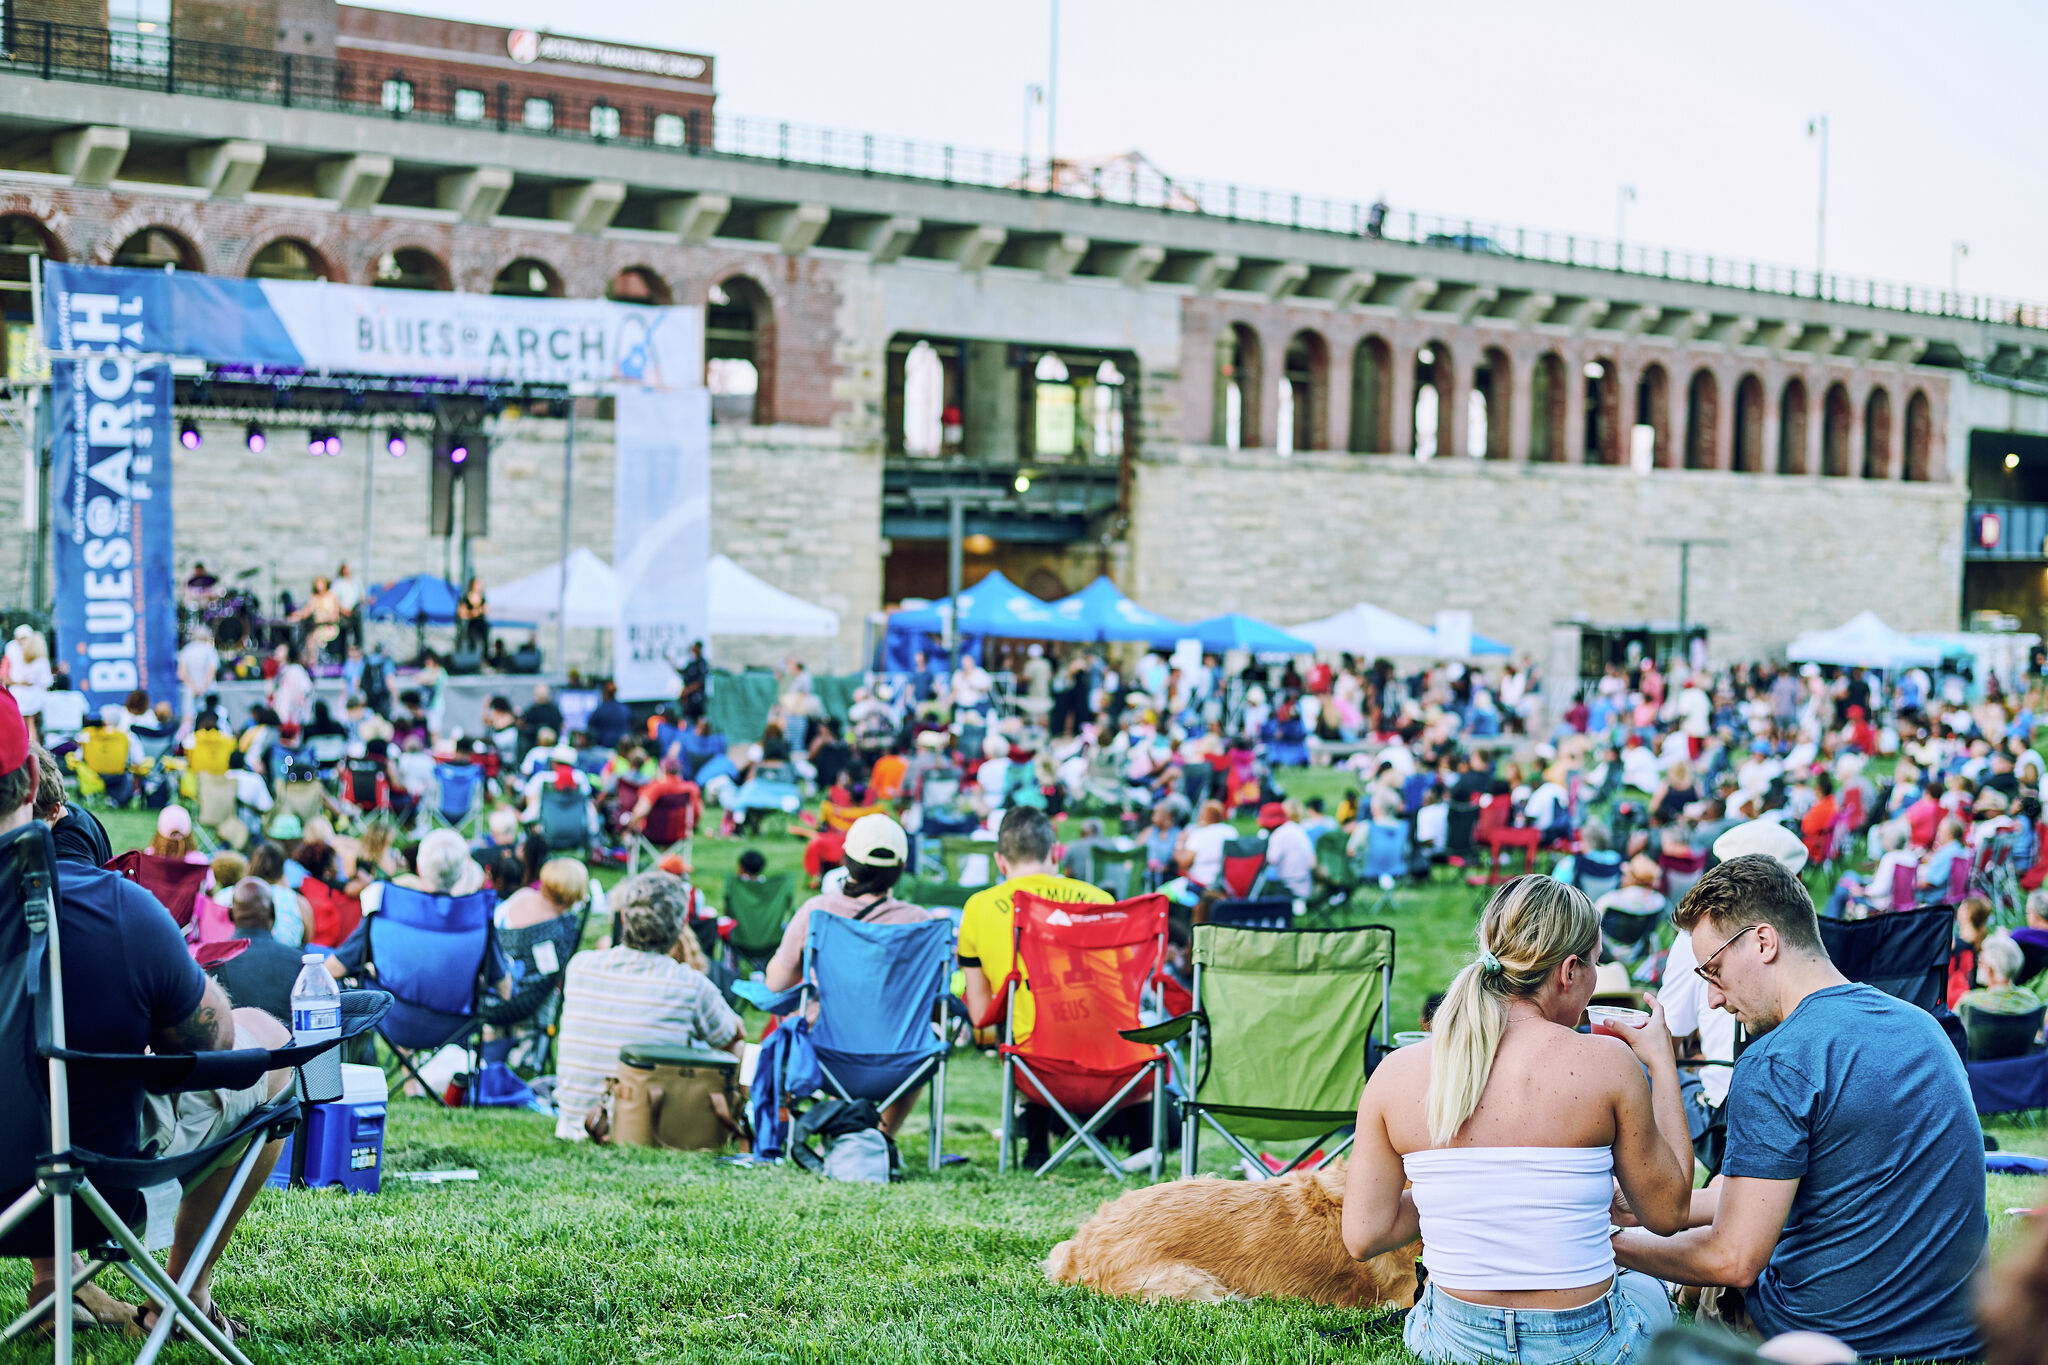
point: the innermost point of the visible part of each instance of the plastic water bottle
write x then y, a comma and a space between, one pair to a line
316, 1018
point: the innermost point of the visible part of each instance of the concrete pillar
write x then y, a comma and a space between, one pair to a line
1454, 370
355, 182
993, 392
225, 170
474, 196
693, 219
1340, 349
1574, 448
1816, 421
795, 229
1521, 401
588, 208
91, 156
1724, 421
1272, 375
1767, 448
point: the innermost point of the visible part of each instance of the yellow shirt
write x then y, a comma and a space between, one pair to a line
987, 929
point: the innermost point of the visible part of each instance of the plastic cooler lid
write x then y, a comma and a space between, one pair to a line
364, 1084
647, 1056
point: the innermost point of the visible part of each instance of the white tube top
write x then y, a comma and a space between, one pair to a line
1508, 1218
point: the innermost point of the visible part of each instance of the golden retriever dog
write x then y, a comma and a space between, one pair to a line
1206, 1240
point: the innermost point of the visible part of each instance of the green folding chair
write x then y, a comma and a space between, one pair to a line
1119, 871
1336, 874
957, 853
935, 894
1309, 996
760, 911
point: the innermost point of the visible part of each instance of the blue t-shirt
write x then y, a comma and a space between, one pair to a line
1860, 1098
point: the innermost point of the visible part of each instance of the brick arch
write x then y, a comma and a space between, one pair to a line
58, 228
1310, 386
658, 289
742, 284
182, 220
1793, 415
402, 238
1499, 368
1549, 373
323, 258
558, 285
1652, 403
1443, 367
1919, 437
1372, 375
1838, 416
1702, 419
1606, 435
1877, 433
1749, 424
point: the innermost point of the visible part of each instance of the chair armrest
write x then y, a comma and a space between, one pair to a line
1165, 1031
1703, 1061
767, 1001
1001, 1000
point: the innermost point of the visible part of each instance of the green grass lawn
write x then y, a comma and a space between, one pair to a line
562, 1253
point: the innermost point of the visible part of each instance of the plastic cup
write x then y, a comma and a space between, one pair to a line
1616, 1017
1409, 1039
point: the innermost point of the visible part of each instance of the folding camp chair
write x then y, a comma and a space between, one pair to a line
365, 785
1086, 968
879, 988
1119, 871
102, 759
1596, 874
1904, 954
1679, 872
1309, 995
565, 819
1386, 862
935, 893
539, 956
1496, 833
44, 1177
303, 797
760, 911
429, 953
1460, 852
1272, 912
1628, 936
671, 822
1244, 867
173, 881
209, 751
1195, 779
1995, 1037
457, 805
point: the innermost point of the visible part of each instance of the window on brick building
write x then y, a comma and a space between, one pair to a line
1919, 437
287, 258
1052, 408
1877, 435
154, 248
1074, 401
527, 278
538, 114
1749, 425
410, 268
139, 34
1107, 400
670, 130
21, 239
1371, 365
1792, 428
397, 96
1235, 423
470, 106
924, 402
738, 351
604, 121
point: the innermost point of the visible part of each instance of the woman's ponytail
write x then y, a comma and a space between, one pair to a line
1464, 1036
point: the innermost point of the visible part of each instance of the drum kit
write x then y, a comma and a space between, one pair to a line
234, 615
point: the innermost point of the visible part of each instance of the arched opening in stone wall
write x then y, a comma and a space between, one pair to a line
1792, 428
154, 248
1650, 441
528, 278
1749, 425
1435, 391
1836, 414
288, 258
1304, 389
1877, 435
1702, 411
1235, 421
739, 351
638, 284
1489, 425
1602, 444
1546, 408
21, 238
410, 268
1919, 437
1372, 366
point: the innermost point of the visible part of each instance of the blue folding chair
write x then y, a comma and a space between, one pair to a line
458, 807
876, 987
429, 953
1386, 861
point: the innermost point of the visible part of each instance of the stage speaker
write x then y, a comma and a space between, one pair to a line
466, 661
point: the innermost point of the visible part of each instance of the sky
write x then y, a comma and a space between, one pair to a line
1502, 112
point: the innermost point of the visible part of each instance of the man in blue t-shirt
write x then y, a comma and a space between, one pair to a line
130, 984
1852, 1198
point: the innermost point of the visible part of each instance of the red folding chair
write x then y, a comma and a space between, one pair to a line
1678, 871
1086, 967
670, 822
334, 916
1496, 836
1244, 866
174, 882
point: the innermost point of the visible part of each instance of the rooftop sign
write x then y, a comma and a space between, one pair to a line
525, 45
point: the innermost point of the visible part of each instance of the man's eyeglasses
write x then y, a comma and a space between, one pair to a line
1706, 970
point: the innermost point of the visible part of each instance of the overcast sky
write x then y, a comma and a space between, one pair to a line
1518, 114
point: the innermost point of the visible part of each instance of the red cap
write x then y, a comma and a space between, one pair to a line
1272, 815
13, 734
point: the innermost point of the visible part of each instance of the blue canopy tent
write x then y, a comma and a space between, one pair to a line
994, 606
419, 598
1219, 634
1485, 644
1105, 613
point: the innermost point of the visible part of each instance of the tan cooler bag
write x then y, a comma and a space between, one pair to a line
668, 1095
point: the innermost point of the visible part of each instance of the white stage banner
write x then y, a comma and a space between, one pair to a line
661, 535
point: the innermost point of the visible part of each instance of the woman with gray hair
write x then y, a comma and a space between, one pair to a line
648, 988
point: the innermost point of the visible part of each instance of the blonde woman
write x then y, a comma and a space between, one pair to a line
1513, 1129
28, 673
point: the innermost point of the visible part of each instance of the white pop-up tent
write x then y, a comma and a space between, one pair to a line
1369, 631
1863, 642
740, 604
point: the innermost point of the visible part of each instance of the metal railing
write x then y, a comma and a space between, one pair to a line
158, 62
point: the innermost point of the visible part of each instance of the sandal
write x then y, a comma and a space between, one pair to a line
83, 1319
147, 1315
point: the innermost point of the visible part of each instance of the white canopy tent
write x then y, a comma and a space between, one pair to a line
1369, 631
740, 603
1864, 642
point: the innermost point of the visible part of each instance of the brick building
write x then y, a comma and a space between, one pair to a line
1224, 399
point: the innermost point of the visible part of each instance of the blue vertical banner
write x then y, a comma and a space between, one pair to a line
111, 523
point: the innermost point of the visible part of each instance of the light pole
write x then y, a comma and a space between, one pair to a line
1034, 95
1685, 544
1052, 104
1623, 197
1817, 127
1956, 252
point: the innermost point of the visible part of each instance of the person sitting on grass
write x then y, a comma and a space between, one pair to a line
1851, 1199
1500, 1140
1999, 963
129, 984
876, 853
650, 987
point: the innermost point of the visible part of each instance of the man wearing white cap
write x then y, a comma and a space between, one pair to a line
876, 853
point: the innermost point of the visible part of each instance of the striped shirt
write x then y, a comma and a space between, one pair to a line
612, 997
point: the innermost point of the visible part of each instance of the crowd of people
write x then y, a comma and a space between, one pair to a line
1688, 797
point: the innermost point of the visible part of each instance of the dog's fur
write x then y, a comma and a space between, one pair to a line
1207, 1240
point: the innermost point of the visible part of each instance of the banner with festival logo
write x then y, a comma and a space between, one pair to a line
661, 536
111, 524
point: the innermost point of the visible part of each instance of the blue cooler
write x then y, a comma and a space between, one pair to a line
345, 1139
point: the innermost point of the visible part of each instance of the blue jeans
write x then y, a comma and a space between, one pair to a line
1613, 1330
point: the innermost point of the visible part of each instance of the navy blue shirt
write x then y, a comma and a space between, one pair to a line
127, 973
1861, 1099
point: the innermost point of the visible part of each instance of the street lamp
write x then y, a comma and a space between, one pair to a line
1817, 127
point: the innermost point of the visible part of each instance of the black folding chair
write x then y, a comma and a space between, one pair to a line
1904, 954
1264, 913
40, 1167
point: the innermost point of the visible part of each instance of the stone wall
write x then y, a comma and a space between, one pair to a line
1293, 538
